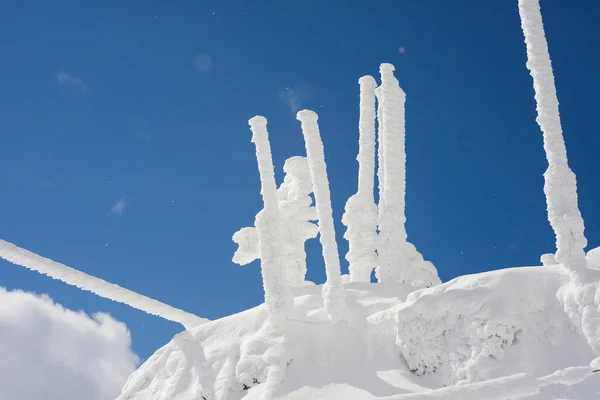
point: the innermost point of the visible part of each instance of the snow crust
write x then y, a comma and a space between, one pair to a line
484, 336
83, 281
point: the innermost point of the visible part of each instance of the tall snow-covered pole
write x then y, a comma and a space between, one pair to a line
277, 293
380, 158
361, 212
560, 183
393, 262
333, 291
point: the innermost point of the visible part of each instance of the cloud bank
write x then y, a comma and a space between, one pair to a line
51, 353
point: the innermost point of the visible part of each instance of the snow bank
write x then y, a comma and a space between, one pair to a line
502, 334
83, 281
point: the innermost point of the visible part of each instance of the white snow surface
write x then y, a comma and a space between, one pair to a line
83, 281
496, 335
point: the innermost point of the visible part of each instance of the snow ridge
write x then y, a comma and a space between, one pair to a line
83, 281
333, 292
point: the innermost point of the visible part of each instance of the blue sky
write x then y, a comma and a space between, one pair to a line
126, 151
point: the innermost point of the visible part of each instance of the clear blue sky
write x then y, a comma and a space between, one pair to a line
126, 153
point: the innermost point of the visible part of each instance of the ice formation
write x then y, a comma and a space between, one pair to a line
333, 292
83, 281
399, 261
560, 183
297, 212
268, 229
361, 214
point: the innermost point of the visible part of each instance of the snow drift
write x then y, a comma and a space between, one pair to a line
504, 333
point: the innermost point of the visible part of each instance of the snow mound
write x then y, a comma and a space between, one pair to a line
504, 333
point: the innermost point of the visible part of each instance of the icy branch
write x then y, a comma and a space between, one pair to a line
268, 228
361, 213
560, 183
333, 292
73, 277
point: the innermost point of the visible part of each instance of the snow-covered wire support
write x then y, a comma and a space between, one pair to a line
83, 281
361, 213
270, 245
560, 183
393, 262
333, 291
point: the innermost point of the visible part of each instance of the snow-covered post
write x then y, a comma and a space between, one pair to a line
560, 184
333, 291
380, 158
277, 294
360, 215
393, 262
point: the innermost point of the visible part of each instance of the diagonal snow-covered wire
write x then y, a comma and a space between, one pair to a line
81, 280
560, 183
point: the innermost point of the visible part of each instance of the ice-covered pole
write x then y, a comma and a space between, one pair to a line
380, 158
270, 245
333, 292
393, 262
360, 216
560, 183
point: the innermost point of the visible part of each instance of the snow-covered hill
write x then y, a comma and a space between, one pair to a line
398, 341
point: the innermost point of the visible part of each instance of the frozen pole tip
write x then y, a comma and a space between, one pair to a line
368, 81
307, 115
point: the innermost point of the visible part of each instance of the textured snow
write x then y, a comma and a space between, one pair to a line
484, 336
361, 212
297, 212
560, 183
333, 293
83, 281
268, 229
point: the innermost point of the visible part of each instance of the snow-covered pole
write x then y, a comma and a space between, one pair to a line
270, 245
333, 292
393, 262
560, 183
360, 214
380, 158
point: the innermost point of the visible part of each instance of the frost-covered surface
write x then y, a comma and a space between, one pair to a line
333, 293
83, 281
560, 183
503, 334
361, 213
297, 212
593, 258
268, 229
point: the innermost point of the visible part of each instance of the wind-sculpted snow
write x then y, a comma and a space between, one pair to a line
297, 212
361, 213
73, 277
333, 292
268, 229
489, 332
560, 183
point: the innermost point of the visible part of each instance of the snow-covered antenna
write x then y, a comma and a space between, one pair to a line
361, 212
83, 281
393, 262
270, 245
560, 183
333, 292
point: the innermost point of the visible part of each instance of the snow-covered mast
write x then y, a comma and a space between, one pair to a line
399, 261
393, 262
361, 212
277, 293
560, 183
333, 292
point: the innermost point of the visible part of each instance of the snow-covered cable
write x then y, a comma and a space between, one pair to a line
393, 263
360, 216
333, 292
81, 280
268, 221
560, 182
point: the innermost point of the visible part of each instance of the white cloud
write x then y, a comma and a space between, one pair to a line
118, 207
203, 62
51, 353
295, 97
66, 79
